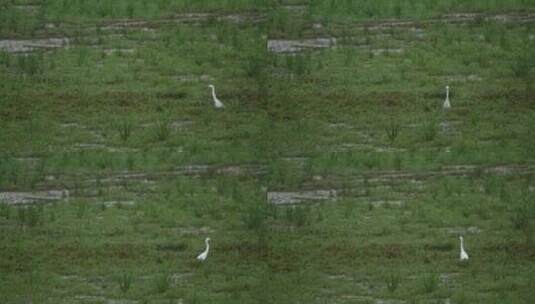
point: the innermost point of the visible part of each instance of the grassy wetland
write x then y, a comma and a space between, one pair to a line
332, 175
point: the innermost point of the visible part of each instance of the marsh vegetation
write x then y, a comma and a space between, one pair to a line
331, 176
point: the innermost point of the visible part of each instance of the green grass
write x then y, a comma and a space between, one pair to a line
123, 119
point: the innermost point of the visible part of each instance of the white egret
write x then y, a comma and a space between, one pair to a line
447, 104
463, 255
217, 103
201, 257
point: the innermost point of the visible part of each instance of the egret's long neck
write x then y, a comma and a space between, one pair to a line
447, 93
462, 245
207, 246
213, 92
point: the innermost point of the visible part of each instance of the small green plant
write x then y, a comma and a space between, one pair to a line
521, 216
130, 10
81, 208
162, 130
461, 298
398, 162
254, 66
83, 53
349, 207
299, 64
31, 64
125, 281
430, 282
34, 215
21, 215
130, 161
52, 216
349, 56
385, 231
161, 283
255, 216
5, 210
392, 281
125, 129
392, 130
429, 129
298, 215
5, 59
522, 65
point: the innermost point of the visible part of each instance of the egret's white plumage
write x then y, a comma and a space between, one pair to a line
463, 255
217, 103
447, 103
201, 257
